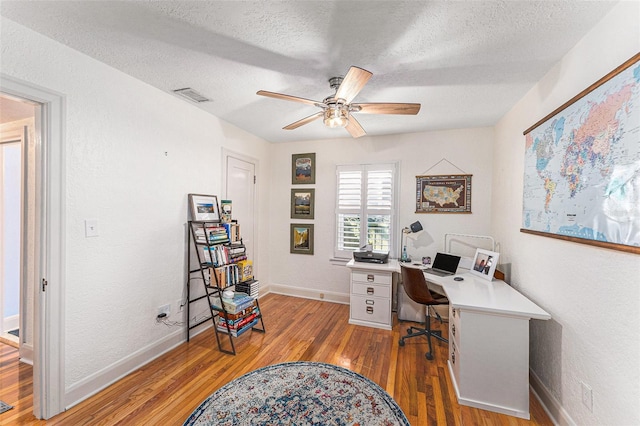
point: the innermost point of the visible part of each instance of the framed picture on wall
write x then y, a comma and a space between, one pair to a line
302, 203
204, 207
443, 194
301, 238
484, 264
303, 169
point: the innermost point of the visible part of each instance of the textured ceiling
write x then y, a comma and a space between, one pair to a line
467, 63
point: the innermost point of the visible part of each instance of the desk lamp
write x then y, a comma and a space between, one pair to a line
415, 227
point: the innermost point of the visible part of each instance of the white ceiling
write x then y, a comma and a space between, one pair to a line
466, 62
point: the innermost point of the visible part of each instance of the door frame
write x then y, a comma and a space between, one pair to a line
226, 154
48, 339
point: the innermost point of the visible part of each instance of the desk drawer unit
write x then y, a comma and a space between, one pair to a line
371, 298
485, 348
376, 311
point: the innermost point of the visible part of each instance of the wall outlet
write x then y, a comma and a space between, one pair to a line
587, 396
165, 309
179, 306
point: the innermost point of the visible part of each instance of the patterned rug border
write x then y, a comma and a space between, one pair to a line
4, 407
388, 400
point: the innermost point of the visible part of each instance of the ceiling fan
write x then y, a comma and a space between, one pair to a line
337, 109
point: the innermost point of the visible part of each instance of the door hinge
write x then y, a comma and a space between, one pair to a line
44, 284
254, 179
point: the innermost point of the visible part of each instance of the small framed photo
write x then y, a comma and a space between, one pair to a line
301, 238
303, 169
204, 207
302, 203
484, 264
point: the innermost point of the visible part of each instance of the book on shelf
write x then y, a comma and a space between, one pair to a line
238, 323
212, 234
251, 287
236, 333
233, 231
245, 269
225, 210
239, 302
226, 275
241, 314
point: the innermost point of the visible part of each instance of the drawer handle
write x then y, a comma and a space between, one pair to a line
371, 278
369, 310
369, 302
453, 358
453, 329
370, 290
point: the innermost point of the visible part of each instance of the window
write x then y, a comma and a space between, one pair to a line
365, 208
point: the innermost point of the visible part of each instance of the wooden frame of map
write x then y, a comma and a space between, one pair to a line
581, 166
443, 194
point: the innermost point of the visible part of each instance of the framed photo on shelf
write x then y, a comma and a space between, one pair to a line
301, 238
204, 207
303, 169
302, 203
484, 264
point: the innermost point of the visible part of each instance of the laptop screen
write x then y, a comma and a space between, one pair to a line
446, 262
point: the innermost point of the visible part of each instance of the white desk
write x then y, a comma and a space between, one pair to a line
488, 339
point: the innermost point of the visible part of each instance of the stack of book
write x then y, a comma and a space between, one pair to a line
242, 313
250, 287
217, 235
237, 252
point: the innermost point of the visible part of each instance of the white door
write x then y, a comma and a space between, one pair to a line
240, 189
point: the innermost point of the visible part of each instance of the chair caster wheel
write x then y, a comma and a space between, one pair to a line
409, 331
429, 356
401, 342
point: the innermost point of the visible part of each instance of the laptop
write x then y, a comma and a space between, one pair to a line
444, 264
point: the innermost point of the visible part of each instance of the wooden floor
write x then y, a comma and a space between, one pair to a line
165, 391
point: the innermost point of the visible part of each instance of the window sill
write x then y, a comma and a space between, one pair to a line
338, 261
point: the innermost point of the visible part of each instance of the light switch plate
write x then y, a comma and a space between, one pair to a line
91, 228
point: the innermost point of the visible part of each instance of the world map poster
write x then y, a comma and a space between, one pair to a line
582, 165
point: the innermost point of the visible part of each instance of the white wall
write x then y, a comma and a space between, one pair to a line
592, 294
469, 150
133, 153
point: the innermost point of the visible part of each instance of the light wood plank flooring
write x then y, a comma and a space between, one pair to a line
165, 391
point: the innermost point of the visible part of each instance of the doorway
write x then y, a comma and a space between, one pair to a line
17, 220
239, 180
42, 241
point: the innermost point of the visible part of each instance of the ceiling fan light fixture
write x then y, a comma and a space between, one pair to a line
336, 117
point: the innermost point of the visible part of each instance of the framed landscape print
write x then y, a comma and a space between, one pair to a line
301, 238
302, 203
443, 194
204, 207
581, 180
303, 169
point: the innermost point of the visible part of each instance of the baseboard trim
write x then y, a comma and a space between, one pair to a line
111, 374
551, 405
306, 293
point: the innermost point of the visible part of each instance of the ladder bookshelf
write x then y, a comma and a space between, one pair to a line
219, 263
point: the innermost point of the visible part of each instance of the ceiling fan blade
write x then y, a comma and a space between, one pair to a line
386, 108
286, 97
352, 83
304, 121
354, 128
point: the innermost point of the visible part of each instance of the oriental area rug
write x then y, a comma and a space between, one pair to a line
299, 393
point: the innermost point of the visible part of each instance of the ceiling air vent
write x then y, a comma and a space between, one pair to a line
192, 95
